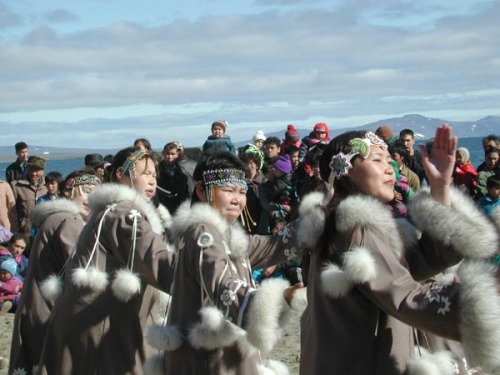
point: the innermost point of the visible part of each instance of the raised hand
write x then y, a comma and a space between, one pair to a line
439, 165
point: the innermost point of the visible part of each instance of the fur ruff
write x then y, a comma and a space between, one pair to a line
202, 214
272, 367
312, 216
463, 226
106, 194
480, 314
154, 365
92, 278
45, 209
213, 330
167, 338
125, 285
367, 212
267, 314
165, 217
51, 288
299, 301
426, 363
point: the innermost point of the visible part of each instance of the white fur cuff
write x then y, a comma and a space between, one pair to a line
463, 226
167, 338
312, 220
480, 314
268, 313
440, 363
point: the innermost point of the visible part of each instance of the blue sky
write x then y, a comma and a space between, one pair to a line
100, 73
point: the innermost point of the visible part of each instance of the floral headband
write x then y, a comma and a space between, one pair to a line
86, 179
341, 163
225, 176
130, 162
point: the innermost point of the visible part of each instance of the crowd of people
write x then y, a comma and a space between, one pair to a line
149, 262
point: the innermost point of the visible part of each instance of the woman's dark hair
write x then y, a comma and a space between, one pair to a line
398, 147
119, 159
19, 236
343, 187
145, 143
77, 173
215, 160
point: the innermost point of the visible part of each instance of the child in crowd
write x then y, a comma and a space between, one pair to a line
292, 139
10, 286
281, 191
320, 134
16, 246
219, 141
492, 198
465, 176
52, 182
258, 139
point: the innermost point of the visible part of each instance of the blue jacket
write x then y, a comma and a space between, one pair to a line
223, 143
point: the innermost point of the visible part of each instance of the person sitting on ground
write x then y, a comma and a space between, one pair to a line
10, 286
219, 140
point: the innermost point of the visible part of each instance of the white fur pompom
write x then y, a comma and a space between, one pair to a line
91, 278
154, 366
51, 288
214, 330
125, 285
335, 282
359, 265
277, 367
439, 363
167, 338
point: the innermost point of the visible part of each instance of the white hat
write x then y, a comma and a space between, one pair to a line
259, 136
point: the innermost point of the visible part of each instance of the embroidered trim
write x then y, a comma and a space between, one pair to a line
82, 180
130, 162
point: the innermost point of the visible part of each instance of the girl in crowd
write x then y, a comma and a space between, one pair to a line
364, 301
218, 322
96, 326
60, 223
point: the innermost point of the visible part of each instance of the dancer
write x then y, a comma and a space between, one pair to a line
364, 303
96, 327
60, 222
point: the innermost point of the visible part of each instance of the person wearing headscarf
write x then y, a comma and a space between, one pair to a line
465, 176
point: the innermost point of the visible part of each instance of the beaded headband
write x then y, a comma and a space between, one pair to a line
133, 158
225, 176
341, 163
86, 179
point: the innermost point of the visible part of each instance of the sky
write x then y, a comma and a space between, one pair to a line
101, 73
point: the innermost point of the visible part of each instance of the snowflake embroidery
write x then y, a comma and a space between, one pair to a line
340, 165
19, 371
433, 292
205, 240
134, 214
291, 253
286, 232
227, 297
446, 306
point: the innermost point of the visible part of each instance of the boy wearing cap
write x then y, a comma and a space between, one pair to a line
26, 192
320, 134
219, 141
10, 286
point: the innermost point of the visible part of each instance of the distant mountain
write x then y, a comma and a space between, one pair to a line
423, 127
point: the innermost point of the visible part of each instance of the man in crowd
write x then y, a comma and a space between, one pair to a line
17, 170
407, 137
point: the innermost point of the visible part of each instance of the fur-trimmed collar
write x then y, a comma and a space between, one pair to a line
105, 194
43, 210
367, 212
201, 213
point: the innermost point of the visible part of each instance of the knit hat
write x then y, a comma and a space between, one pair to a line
93, 160
258, 136
291, 133
9, 265
36, 162
283, 164
222, 123
179, 145
321, 127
